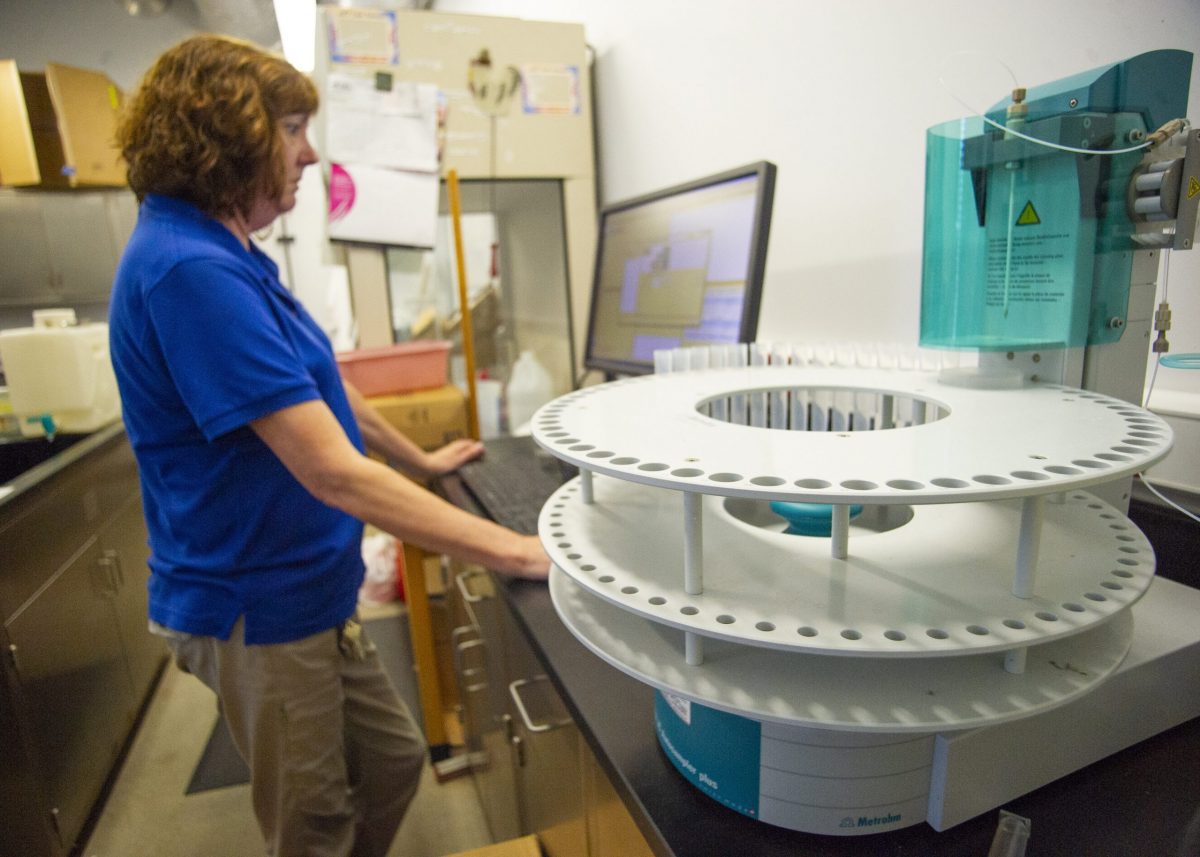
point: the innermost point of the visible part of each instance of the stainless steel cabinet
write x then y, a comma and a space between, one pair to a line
78, 661
524, 749
61, 247
487, 724
126, 554
547, 746
25, 275
611, 830
73, 684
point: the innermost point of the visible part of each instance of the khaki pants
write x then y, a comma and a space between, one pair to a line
334, 755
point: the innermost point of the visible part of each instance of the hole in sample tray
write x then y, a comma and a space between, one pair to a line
946, 482
788, 408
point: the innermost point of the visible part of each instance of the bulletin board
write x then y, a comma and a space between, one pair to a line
530, 114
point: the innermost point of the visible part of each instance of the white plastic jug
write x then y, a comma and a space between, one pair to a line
59, 370
487, 397
529, 387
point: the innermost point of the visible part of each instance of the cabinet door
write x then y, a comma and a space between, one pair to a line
73, 684
611, 830
125, 552
489, 725
549, 775
25, 820
470, 685
82, 247
49, 523
25, 273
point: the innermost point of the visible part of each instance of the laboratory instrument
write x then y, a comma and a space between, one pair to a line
990, 621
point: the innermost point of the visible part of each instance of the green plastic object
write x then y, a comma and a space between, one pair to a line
1028, 246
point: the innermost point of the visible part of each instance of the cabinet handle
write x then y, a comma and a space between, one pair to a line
118, 569
469, 598
106, 565
518, 746
461, 581
460, 670
461, 631
514, 690
460, 652
54, 823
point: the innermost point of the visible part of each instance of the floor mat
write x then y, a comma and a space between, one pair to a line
220, 764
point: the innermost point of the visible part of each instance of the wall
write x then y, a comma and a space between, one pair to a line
837, 94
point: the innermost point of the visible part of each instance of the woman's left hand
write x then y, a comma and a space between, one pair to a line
451, 456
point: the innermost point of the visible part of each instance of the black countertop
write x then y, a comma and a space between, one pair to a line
27, 461
1136, 803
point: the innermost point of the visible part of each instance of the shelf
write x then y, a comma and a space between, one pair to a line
937, 584
918, 695
951, 444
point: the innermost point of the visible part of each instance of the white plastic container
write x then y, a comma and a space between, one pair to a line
487, 398
59, 370
529, 387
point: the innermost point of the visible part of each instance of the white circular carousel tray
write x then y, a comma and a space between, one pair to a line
876, 695
938, 582
989, 444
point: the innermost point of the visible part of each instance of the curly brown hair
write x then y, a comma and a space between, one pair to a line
202, 125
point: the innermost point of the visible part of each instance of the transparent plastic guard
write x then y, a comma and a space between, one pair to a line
1025, 246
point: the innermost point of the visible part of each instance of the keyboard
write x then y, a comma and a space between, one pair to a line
513, 480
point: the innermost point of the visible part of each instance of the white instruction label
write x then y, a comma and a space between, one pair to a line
682, 707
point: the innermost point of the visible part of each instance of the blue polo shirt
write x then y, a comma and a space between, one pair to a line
204, 340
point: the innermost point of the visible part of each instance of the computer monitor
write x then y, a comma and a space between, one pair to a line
679, 267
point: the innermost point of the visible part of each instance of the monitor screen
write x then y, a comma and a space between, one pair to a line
680, 267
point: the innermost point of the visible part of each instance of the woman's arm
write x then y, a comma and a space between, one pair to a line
382, 437
310, 442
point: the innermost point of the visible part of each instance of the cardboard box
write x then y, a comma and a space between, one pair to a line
18, 157
58, 128
430, 418
525, 846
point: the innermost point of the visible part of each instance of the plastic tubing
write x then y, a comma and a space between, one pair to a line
1029, 139
1180, 361
1059, 146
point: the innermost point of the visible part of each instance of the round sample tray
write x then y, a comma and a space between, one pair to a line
977, 444
869, 695
937, 583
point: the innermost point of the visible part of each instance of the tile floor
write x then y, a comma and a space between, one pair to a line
147, 812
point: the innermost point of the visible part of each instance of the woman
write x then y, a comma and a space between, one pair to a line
250, 450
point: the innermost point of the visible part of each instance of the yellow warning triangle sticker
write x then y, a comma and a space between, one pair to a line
1028, 216
1193, 186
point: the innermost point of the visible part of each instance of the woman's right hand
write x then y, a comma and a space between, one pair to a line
529, 560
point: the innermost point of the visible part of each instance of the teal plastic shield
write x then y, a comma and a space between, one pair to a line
1028, 246
1025, 246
